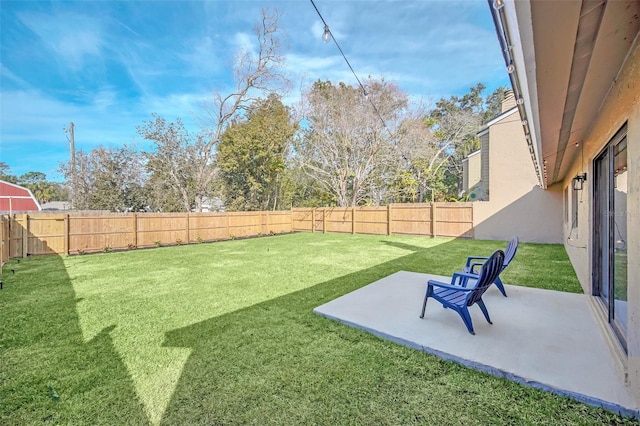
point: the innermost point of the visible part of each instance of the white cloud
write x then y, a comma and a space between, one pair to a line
105, 99
71, 37
74, 47
204, 57
297, 63
6, 73
187, 106
245, 42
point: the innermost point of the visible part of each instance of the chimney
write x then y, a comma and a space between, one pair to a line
509, 101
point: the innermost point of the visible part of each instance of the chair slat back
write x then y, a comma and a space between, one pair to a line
489, 272
512, 248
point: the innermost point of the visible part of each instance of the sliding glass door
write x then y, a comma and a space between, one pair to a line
610, 227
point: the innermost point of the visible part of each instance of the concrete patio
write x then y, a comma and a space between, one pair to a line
541, 338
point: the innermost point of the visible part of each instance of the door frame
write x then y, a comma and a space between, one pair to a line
597, 261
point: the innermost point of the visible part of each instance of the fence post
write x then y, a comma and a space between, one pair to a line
292, 229
324, 220
66, 234
313, 220
187, 228
1, 242
25, 236
266, 222
433, 219
388, 219
9, 236
353, 220
6, 240
472, 233
226, 215
135, 230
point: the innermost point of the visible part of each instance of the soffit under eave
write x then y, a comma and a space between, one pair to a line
554, 26
578, 54
617, 33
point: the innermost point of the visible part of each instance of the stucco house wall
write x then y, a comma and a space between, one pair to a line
471, 173
622, 105
516, 205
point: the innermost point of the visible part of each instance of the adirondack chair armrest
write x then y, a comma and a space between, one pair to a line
471, 268
439, 284
465, 274
462, 278
472, 258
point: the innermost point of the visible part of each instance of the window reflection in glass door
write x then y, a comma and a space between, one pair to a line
619, 237
610, 226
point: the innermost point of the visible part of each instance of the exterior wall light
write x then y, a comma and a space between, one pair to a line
578, 181
498, 4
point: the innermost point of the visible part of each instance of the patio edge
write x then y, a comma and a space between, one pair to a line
585, 399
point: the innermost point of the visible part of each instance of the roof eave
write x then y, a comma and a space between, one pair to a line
512, 21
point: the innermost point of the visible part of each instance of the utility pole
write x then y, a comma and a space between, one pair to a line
73, 165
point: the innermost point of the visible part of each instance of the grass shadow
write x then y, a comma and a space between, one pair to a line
49, 373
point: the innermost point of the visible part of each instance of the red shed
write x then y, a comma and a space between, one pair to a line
15, 198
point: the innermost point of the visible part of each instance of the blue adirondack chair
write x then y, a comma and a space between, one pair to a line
458, 297
474, 262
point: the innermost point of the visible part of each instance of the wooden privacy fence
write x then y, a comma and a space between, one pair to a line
428, 219
46, 233
77, 233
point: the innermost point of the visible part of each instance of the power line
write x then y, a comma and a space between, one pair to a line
364, 90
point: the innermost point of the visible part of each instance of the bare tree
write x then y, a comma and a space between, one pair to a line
188, 159
415, 145
349, 137
255, 74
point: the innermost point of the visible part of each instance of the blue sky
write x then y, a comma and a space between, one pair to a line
107, 65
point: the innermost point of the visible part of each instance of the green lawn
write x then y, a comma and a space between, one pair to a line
224, 333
